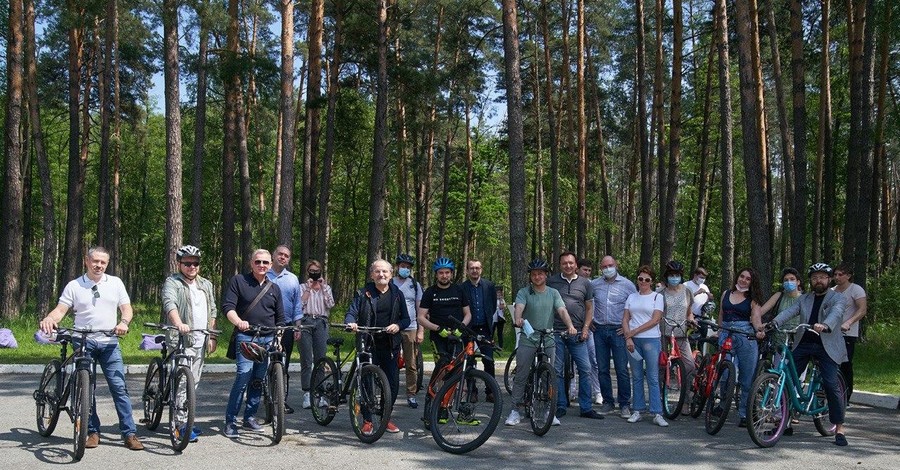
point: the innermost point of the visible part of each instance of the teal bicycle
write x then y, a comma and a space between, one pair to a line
779, 391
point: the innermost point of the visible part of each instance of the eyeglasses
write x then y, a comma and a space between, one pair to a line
262, 262
190, 264
645, 279
96, 293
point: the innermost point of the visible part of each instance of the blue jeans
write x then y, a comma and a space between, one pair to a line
609, 343
109, 357
648, 366
247, 370
578, 351
828, 371
745, 353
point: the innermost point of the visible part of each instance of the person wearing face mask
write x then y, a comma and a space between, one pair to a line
700, 290
678, 301
611, 290
317, 300
412, 294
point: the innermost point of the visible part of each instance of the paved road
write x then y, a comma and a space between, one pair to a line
874, 436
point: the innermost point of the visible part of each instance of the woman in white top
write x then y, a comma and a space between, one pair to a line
640, 326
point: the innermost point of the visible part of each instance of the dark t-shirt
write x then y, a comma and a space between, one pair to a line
443, 304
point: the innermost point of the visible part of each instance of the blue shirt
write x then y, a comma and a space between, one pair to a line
609, 299
290, 294
476, 302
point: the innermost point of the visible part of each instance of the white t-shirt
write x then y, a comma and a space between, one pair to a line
641, 308
95, 305
199, 311
853, 292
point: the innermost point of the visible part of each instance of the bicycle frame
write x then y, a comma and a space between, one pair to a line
801, 397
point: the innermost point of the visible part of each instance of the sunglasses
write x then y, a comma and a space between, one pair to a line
645, 279
262, 262
96, 294
191, 264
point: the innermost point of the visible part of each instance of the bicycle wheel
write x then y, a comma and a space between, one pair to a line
46, 398
370, 404
325, 390
698, 387
81, 411
823, 425
181, 410
462, 423
767, 413
276, 398
509, 374
673, 387
153, 397
719, 402
543, 398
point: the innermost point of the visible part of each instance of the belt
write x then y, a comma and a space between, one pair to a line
611, 325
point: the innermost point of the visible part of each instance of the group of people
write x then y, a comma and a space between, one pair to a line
594, 321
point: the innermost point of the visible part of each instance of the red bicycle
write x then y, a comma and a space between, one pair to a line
715, 380
672, 375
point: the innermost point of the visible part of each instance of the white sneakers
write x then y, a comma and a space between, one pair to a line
660, 421
626, 412
555, 421
598, 398
306, 403
635, 417
514, 418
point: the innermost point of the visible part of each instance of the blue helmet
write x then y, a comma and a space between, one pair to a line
442, 263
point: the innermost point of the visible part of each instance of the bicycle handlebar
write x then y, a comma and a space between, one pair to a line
802, 326
368, 329
164, 327
716, 327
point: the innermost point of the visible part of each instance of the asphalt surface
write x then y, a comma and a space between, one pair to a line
874, 436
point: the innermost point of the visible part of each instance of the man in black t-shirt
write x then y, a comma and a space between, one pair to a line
441, 301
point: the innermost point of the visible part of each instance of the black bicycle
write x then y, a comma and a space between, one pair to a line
71, 376
540, 389
170, 382
367, 392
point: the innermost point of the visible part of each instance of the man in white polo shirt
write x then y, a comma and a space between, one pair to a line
94, 298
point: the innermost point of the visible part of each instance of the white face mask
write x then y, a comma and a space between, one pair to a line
741, 289
609, 273
699, 280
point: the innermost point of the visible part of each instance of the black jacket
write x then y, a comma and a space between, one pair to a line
362, 309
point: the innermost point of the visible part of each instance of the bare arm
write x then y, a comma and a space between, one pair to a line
51, 321
127, 314
862, 307
567, 320
467, 315
588, 318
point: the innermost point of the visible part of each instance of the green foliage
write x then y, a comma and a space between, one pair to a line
883, 298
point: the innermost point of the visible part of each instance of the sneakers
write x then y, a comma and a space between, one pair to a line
555, 421
411, 401
607, 408
840, 439
598, 399
466, 421
513, 418
660, 421
183, 431
626, 412
591, 414
635, 417
367, 427
252, 424
288, 409
231, 430
392, 428
306, 403
132, 442
93, 440
443, 416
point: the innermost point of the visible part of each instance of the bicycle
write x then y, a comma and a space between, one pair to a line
368, 389
71, 376
458, 421
170, 382
539, 399
672, 376
780, 390
509, 373
272, 383
717, 381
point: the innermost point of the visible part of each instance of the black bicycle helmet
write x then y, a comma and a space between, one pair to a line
674, 267
538, 263
405, 258
187, 250
819, 267
443, 263
253, 351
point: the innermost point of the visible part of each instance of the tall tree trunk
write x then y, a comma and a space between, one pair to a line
71, 262
658, 125
200, 126
426, 159
798, 78
379, 159
566, 88
334, 88
642, 144
516, 144
467, 216
754, 141
667, 244
883, 214
13, 207
581, 226
232, 84
819, 233
704, 184
308, 220
554, 135
726, 125
104, 90
605, 222
286, 107
174, 225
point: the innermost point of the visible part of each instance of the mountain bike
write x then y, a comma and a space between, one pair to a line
673, 384
71, 376
539, 399
170, 382
779, 390
367, 392
272, 383
458, 420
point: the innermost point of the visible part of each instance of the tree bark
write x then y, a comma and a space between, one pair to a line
642, 144
286, 107
726, 125
556, 243
659, 128
581, 226
200, 126
232, 84
799, 206
704, 184
516, 144
334, 88
667, 243
71, 262
308, 220
379, 159
883, 215
174, 224
823, 151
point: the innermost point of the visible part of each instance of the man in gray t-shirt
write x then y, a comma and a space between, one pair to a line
578, 295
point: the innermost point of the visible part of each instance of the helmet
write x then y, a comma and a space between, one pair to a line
674, 267
404, 258
253, 351
819, 267
442, 263
538, 263
187, 250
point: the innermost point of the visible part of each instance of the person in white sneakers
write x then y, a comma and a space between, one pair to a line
640, 326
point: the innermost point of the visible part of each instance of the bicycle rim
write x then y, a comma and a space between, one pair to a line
81, 411
46, 399
718, 404
698, 388
324, 390
276, 395
181, 410
370, 407
767, 410
543, 398
460, 421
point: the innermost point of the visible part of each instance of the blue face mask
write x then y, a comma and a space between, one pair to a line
674, 280
789, 286
403, 272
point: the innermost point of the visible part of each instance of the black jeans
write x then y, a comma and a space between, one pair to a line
385, 357
847, 367
828, 369
287, 345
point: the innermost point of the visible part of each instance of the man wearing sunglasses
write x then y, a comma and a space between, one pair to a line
188, 303
242, 309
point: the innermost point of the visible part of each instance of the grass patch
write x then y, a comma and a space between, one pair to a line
875, 364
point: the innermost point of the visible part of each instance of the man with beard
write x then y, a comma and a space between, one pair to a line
440, 302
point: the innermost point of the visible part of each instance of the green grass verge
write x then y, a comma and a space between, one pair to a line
875, 364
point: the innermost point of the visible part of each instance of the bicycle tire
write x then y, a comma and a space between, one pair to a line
719, 402
509, 373
370, 402
672, 387
824, 426
325, 390
153, 396
81, 411
46, 398
460, 422
276, 399
568, 376
767, 412
180, 431
698, 387
543, 398
420, 369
